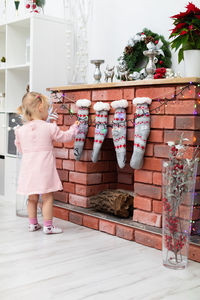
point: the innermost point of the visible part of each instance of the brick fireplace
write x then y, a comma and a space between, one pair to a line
82, 179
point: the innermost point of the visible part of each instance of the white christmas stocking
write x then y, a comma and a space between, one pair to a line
83, 112
119, 130
101, 129
142, 130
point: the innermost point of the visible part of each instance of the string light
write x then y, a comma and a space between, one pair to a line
162, 102
195, 111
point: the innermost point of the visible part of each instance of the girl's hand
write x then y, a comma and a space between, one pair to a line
77, 123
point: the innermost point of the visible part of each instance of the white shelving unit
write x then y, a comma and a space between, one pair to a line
34, 48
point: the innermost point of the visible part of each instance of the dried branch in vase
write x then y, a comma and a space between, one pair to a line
179, 174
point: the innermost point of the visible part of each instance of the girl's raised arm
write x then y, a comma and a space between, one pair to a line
59, 135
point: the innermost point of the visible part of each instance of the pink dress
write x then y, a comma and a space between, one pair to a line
38, 173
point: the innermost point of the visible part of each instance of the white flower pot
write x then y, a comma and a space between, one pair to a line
192, 63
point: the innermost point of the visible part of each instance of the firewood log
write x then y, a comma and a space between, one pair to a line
116, 202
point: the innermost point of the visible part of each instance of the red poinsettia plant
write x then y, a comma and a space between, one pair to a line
186, 32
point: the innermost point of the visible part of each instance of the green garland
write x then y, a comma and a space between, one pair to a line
135, 55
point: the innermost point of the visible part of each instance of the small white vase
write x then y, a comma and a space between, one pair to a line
192, 63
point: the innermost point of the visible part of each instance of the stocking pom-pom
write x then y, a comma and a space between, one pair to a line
142, 100
119, 103
83, 103
99, 106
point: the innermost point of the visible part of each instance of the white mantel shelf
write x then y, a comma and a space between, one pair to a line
153, 82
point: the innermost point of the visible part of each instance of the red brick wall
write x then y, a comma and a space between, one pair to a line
83, 178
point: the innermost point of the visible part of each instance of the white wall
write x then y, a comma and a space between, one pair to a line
115, 21
54, 8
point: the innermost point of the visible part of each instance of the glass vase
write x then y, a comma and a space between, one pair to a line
178, 185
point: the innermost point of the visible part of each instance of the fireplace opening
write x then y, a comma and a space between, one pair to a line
114, 202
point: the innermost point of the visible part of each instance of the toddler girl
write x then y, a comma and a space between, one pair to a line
38, 174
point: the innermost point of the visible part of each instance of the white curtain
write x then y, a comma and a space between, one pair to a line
77, 14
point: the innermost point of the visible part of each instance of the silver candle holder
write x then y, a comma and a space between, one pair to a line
150, 67
97, 73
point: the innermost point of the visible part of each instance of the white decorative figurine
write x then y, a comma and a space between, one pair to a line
109, 73
122, 70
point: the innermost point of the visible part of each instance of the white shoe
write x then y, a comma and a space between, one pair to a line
34, 227
51, 230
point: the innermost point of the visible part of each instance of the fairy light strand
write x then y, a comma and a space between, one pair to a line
162, 102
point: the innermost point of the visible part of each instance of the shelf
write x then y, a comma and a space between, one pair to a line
2, 24
2, 28
11, 155
2, 69
2, 133
2, 176
2, 105
22, 22
2, 81
18, 36
31, 58
17, 81
19, 67
2, 42
2, 90
124, 84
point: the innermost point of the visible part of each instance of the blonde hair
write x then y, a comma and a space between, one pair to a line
30, 105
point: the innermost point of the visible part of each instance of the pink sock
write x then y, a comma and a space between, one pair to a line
48, 223
33, 221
